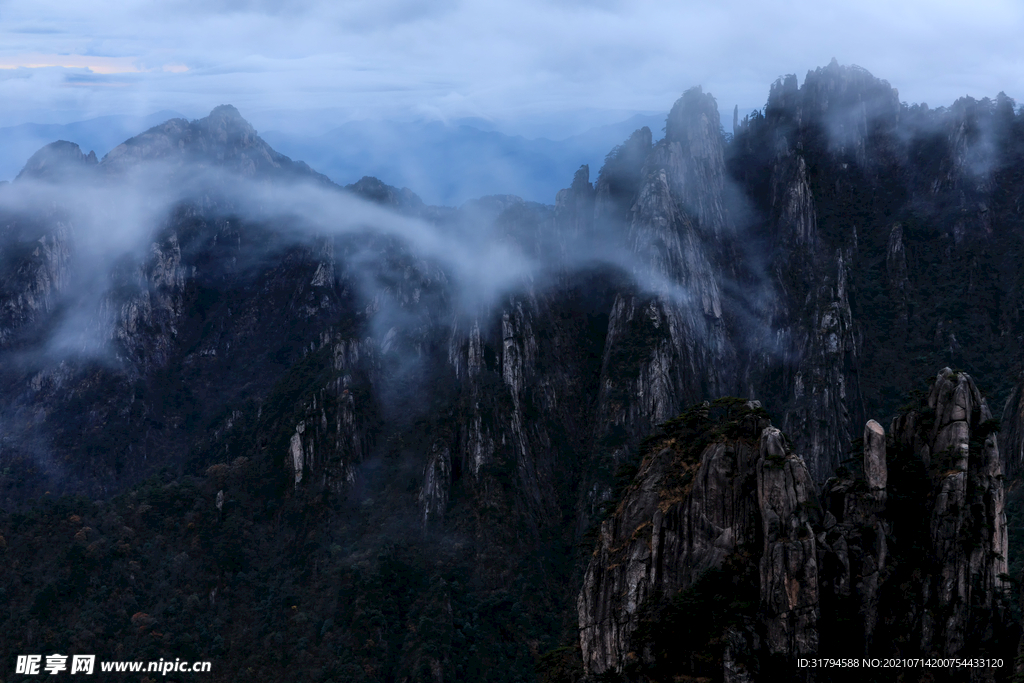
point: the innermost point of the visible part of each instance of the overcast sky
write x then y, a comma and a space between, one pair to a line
529, 66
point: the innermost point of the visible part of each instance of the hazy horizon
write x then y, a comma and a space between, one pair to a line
535, 69
308, 73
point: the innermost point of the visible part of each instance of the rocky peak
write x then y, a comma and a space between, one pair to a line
875, 470
690, 507
693, 155
836, 88
690, 115
845, 102
574, 206
380, 192
941, 431
973, 151
619, 178
787, 501
222, 140
581, 180
783, 101
953, 435
59, 160
226, 121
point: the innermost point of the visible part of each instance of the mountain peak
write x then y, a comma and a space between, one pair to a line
227, 120
693, 112
56, 161
844, 101
226, 111
223, 139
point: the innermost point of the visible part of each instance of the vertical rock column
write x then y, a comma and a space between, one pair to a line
855, 532
789, 569
955, 438
875, 470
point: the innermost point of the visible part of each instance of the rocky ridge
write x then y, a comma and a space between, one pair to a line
726, 493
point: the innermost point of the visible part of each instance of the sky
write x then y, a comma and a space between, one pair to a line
532, 67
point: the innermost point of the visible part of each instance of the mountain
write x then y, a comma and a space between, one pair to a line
102, 134
449, 164
310, 431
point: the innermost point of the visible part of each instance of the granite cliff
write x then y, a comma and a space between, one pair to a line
722, 554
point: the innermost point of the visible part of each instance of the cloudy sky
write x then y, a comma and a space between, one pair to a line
530, 66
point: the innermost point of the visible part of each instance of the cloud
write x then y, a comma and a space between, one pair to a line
114, 219
99, 65
528, 60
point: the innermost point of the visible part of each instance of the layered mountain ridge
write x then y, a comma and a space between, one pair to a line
334, 382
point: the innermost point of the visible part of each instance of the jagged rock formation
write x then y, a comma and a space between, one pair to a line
875, 217
36, 264
331, 437
669, 343
863, 572
813, 314
688, 509
955, 438
854, 551
787, 501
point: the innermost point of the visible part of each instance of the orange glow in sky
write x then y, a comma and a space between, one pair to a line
98, 65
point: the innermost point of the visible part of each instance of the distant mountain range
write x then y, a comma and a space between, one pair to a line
450, 164
445, 164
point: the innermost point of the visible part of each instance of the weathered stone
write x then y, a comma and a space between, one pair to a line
967, 521
436, 482
663, 536
661, 539
875, 470
789, 574
896, 272
809, 558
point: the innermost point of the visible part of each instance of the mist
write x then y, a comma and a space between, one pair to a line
114, 222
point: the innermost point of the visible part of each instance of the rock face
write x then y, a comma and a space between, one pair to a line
671, 349
688, 509
668, 341
331, 435
692, 508
787, 501
862, 571
875, 471
812, 313
873, 218
955, 438
853, 545
31, 287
